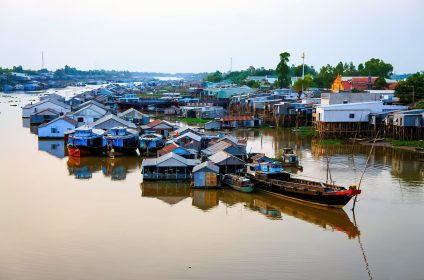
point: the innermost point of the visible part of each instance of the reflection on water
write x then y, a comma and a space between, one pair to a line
269, 206
53, 147
116, 168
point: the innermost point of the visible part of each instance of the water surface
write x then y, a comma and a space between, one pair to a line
93, 218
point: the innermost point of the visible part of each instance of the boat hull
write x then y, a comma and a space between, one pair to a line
242, 189
83, 151
305, 193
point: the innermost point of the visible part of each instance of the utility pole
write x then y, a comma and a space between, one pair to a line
231, 64
42, 59
303, 69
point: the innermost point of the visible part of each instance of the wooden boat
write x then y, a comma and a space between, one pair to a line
290, 159
85, 141
120, 141
283, 184
239, 183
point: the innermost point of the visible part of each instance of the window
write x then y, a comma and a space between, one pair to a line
80, 119
351, 116
344, 101
54, 130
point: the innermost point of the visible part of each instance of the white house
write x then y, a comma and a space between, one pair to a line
54, 104
56, 128
350, 112
89, 114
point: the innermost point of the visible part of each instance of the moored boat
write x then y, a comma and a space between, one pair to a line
290, 159
85, 141
120, 141
283, 184
151, 142
239, 183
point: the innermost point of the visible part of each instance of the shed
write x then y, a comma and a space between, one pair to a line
135, 116
213, 125
168, 167
45, 115
206, 175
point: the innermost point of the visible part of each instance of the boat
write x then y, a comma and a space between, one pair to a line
239, 183
120, 141
85, 141
150, 142
290, 159
285, 185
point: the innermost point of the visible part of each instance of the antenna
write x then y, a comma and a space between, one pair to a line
303, 69
231, 64
42, 59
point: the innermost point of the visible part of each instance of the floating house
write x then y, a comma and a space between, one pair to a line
206, 175
240, 121
190, 140
225, 146
168, 167
175, 148
53, 96
44, 116
150, 142
158, 127
212, 125
56, 128
227, 163
259, 158
56, 105
110, 121
135, 116
89, 114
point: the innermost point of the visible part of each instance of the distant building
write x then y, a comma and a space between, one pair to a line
56, 105
135, 116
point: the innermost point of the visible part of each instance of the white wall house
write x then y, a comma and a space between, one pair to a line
56, 128
351, 112
56, 105
89, 114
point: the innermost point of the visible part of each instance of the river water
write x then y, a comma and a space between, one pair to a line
92, 218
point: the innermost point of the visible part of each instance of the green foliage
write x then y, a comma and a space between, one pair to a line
411, 88
297, 71
194, 120
325, 77
214, 77
380, 83
330, 142
397, 143
252, 84
305, 83
377, 67
283, 70
306, 131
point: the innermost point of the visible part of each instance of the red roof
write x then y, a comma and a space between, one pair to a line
167, 149
154, 123
237, 118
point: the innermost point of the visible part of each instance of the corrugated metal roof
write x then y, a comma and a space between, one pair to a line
178, 161
208, 165
169, 148
113, 117
65, 118
222, 156
190, 135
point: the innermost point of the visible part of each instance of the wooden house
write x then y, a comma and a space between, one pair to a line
206, 175
240, 121
225, 146
227, 162
168, 167
56, 128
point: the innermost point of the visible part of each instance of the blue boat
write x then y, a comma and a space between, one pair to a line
120, 141
85, 141
151, 143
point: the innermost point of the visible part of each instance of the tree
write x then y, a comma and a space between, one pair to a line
325, 77
309, 70
302, 84
214, 77
377, 67
380, 83
283, 70
412, 89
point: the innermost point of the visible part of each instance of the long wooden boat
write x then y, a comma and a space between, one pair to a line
239, 183
283, 184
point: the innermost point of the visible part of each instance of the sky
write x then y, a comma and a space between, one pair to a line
203, 35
